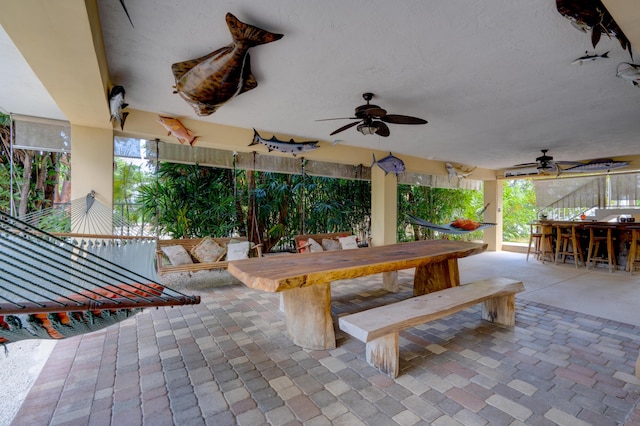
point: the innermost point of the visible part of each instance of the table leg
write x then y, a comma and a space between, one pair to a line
436, 276
307, 313
390, 281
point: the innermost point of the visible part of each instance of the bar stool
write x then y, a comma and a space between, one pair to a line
565, 235
541, 239
633, 248
594, 244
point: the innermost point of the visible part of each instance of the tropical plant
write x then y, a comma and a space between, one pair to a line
519, 208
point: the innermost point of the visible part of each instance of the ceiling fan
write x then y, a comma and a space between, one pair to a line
371, 119
544, 165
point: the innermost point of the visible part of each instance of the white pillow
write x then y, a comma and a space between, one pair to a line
348, 243
314, 246
237, 251
177, 255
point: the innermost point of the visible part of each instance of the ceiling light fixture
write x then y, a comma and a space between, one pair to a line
367, 128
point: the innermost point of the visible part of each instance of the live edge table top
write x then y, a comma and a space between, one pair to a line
278, 273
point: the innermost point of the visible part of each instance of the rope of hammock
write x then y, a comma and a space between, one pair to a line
52, 289
445, 228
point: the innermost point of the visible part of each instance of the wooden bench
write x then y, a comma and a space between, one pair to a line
379, 327
301, 241
189, 244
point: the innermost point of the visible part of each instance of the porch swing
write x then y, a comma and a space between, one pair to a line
51, 288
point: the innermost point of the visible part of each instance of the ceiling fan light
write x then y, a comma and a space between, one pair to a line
367, 129
544, 168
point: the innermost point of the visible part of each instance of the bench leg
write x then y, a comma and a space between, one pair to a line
436, 276
500, 310
308, 316
390, 281
384, 354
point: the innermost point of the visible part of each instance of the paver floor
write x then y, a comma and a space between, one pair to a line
229, 361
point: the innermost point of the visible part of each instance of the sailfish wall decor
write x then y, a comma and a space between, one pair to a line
208, 82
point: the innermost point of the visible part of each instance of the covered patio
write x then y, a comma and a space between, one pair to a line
569, 361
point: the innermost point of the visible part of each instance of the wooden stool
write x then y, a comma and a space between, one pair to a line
541, 240
594, 245
633, 248
565, 235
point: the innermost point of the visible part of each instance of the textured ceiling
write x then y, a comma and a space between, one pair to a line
494, 78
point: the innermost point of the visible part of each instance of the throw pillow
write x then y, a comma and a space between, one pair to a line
237, 251
330, 245
314, 246
177, 255
208, 251
303, 246
348, 243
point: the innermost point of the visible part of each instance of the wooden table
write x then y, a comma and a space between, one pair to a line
305, 279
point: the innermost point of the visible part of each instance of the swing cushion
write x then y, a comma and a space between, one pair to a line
208, 251
348, 243
238, 250
177, 255
330, 244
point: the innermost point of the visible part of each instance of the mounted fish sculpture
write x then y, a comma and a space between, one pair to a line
590, 58
629, 72
208, 82
290, 147
117, 104
390, 164
591, 15
599, 165
457, 172
177, 130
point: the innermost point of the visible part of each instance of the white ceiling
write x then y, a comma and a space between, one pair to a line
493, 77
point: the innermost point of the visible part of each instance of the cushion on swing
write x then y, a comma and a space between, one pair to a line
177, 255
238, 250
329, 244
314, 246
348, 243
208, 251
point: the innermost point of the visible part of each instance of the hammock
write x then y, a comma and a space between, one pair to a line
51, 288
447, 229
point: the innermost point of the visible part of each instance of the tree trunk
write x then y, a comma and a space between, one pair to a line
26, 184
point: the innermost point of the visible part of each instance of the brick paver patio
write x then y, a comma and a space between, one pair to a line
229, 361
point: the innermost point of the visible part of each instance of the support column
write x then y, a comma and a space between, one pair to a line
493, 195
384, 217
92, 166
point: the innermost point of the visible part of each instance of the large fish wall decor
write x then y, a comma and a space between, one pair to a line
390, 164
178, 130
117, 104
629, 72
591, 15
208, 82
290, 147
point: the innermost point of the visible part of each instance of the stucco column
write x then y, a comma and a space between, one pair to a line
92, 166
384, 217
493, 195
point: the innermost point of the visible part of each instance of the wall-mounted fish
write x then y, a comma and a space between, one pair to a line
390, 164
592, 15
177, 129
291, 147
208, 82
598, 165
457, 172
590, 58
117, 104
629, 72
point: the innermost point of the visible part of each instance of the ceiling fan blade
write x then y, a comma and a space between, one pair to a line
402, 119
383, 129
341, 118
343, 128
